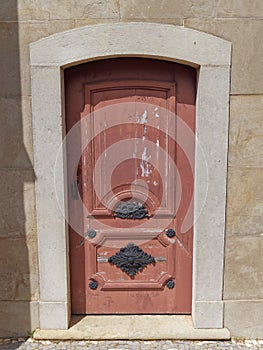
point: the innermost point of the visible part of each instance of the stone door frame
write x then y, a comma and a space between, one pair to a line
211, 56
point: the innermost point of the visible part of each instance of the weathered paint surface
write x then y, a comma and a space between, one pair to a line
134, 157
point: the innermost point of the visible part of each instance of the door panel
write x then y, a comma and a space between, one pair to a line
136, 182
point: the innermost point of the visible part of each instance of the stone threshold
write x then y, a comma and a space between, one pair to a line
128, 327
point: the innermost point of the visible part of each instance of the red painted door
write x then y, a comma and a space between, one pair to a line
135, 181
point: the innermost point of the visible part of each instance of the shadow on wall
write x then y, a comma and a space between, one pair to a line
18, 248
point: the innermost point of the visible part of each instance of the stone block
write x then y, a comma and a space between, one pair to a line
9, 58
246, 131
166, 9
17, 203
64, 9
92, 21
247, 58
210, 183
135, 327
210, 314
19, 269
18, 318
14, 53
245, 192
18, 249
244, 318
243, 268
174, 21
16, 132
106, 9
244, 225
237, 8
30, 32
59, 311
8, 10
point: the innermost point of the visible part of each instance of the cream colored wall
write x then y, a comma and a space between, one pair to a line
25, 21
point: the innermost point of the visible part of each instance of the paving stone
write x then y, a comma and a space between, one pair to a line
29, 344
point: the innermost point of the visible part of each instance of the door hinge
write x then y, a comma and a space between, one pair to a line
75, 186
75, 190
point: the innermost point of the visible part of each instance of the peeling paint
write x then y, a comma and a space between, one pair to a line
155, 183
144, 164
157, 151
156, 114
144, 117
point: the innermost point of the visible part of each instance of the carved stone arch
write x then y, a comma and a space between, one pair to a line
211, 57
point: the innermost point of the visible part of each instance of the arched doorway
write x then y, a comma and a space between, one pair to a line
211, 56
132, 252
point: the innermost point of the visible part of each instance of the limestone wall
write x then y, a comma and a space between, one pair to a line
25, 21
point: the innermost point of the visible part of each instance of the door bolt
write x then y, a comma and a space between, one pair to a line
93, 285
170, 233
92, 233
170, 284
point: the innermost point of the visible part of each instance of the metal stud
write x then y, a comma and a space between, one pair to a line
93, 285
170, 233
92, 233
170, 284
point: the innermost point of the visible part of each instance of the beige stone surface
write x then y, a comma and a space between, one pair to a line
18, 318
9, 58
243, 268
132, 327
244, 318
65, 9
174, 21
8, 10
18, 269
247, 58
18, 248
237, 8
14, 53
91, 21
246, 131
210, 314
244, 225
17, 203
166, 9
16, 132
30, 32
210, 194
170, 42
54, 315
245, 192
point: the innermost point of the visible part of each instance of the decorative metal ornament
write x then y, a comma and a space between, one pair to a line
92, 233
131, 210
170, 233
93, 285
170, 284
131, 259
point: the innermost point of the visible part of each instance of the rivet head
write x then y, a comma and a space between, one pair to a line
92, 233
170, 233
93, 285
170, 284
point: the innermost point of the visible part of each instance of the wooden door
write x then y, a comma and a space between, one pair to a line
135, 181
